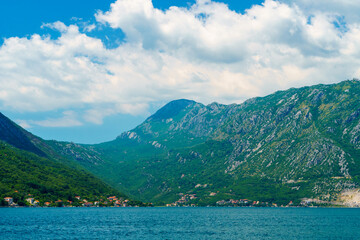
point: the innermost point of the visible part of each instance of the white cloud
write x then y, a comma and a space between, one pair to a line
349, 9
89, 28
97, 114
60, 26
69, 119
205, 52
23, 123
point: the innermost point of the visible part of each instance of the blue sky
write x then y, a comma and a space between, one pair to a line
23, 18
85, 71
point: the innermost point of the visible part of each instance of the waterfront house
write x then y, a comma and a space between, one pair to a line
88, 204
30, 201
10, 200
113, 198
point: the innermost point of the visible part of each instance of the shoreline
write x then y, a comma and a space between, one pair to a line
292, 207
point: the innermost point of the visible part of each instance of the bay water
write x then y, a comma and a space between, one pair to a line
179, 223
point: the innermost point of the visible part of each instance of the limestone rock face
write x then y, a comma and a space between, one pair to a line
303, 142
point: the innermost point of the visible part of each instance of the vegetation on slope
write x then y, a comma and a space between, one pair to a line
299, 143
24, 174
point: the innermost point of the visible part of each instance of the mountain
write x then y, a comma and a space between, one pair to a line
13, 134
30, 167
290, 145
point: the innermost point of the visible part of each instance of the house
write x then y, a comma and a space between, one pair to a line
113, 198
77, 197
212, 194
30, 201
36, 203
47, 204
10, 200
88, 204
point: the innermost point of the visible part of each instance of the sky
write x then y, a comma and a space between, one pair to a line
85, 71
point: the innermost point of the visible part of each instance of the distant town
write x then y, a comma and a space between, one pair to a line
112, 201
185, 200
189, 200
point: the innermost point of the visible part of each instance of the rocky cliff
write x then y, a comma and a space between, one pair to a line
291, 144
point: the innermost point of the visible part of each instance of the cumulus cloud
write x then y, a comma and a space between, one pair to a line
349, 9
68, 119
89, 28
97, 114
205, 52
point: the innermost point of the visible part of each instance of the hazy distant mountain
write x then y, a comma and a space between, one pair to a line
286, 146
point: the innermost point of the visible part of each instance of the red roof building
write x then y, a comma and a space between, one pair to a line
9, 200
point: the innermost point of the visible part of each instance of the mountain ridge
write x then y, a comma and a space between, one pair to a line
301, 143
30, 167
17, 136
305, 139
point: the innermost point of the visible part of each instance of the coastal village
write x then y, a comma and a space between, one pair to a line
186, 200
191, 200
77, 201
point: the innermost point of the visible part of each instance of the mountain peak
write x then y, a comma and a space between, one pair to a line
171, 109
13, 134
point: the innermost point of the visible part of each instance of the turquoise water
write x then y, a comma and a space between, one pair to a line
179, 223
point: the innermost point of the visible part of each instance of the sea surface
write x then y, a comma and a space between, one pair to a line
179, 223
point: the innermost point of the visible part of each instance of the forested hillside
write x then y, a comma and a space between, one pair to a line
293, 144
29, 168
